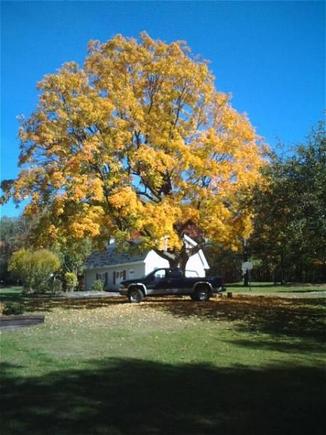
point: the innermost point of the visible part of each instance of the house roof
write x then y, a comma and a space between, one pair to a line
111, 257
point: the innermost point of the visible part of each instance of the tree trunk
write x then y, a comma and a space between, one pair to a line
174, 263
179, 260
245, 259
282, 269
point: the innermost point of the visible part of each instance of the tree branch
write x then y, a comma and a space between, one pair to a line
147, 195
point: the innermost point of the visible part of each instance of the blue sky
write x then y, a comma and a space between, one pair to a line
268, 55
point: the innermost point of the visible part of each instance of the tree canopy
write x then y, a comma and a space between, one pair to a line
137, 140
290, 222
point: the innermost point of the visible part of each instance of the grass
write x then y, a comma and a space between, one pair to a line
267, 288
10, 294
246, 365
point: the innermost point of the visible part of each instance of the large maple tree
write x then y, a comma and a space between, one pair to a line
137, 139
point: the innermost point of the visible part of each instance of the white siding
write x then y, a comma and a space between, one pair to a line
90, 277
195, 263
154, 261
135, 270
129, 270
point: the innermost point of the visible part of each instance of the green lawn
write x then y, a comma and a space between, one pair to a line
10, 294
246, 365
267, 288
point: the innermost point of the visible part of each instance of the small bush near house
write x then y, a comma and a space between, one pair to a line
98, 285
71, 281
34, 268
13, 308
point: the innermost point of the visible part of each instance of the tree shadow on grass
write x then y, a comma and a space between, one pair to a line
48, 304
253, 285
303, 347
131, 397
277, 316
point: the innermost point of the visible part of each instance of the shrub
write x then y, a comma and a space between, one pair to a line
34, 268
71, 281
13, 308
98, 285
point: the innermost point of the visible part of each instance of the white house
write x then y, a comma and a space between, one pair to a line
112, 267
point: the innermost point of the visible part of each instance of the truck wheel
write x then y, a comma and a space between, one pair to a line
135, 295
202, 293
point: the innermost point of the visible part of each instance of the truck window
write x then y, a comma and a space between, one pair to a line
159, 274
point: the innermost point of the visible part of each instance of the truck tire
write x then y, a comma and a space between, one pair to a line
202, 293
135, 295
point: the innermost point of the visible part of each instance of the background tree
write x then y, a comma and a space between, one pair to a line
72, 254
13, 235
137, 139
224, 262
34, 268
22, 232
290, 223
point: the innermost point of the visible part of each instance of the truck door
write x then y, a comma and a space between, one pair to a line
175, 281
157, 284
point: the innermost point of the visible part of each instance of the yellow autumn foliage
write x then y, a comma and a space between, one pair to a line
138, 139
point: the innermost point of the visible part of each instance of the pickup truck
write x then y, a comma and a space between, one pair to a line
170, 282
